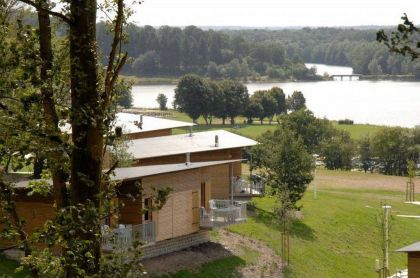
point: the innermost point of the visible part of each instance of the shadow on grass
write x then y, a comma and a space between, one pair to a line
7, 268
298, 229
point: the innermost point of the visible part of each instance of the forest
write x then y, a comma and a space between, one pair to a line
255, 54
172, 51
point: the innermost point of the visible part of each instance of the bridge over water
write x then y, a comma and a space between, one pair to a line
347, 76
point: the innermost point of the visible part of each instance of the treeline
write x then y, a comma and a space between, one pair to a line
336, 46
228, 99
388, 151
173, 51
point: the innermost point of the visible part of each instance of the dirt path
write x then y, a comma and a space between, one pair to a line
227, 244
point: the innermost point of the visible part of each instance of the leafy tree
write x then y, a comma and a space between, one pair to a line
254, 109
338, 152
236, 98
366, 154
124, 96
404, 41
393, 147
192, 95
286, 162
217, 103
278, 94
162, 100
268, 104
49, 83
312, 130
296, 101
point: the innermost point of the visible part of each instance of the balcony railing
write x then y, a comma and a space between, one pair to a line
123, 237
223, 213
253, 186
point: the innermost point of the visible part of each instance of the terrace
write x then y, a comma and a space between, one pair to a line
222, 213
123, 237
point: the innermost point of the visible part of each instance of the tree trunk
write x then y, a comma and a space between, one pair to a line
87, 119
50, 113
38, 167
223, 120
232, 120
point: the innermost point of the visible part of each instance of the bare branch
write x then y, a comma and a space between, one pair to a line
40, 8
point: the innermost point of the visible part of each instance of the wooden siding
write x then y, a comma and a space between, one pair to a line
413, 264
213, 155
35, 214
148, 134
220, 181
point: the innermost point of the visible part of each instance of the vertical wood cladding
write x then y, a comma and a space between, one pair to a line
413, 264
214, 155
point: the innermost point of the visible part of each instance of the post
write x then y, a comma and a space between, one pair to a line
386, 239
231, 182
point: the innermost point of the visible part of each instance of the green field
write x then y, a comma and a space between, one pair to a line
357, 131
339, 235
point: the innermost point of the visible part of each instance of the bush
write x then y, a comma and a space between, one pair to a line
345, 122
162, 100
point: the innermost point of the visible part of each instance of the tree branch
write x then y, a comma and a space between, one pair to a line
40, 8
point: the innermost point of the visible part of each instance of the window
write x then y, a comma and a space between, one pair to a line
147, 215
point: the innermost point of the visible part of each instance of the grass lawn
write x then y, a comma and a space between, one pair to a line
338, 235
357, 131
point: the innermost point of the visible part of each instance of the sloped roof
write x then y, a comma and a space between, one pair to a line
127, 122
131, 173
144, 171
415, 247
184, 143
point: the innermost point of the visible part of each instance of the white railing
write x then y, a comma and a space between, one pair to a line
123, 237
245, 186
223, 213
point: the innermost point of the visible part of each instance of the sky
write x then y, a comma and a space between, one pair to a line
274, 13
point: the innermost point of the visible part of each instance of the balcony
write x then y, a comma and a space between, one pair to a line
248, 186
123, 237
223, 213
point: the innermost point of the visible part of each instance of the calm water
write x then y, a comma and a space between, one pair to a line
375, 102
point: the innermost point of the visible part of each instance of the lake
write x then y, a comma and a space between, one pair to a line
393, 103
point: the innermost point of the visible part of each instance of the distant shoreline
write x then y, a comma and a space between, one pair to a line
174, 80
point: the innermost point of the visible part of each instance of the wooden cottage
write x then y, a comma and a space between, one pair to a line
135, 126
202, 169
413, 259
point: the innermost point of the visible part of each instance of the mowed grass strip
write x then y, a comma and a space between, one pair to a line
339, 234
357, 131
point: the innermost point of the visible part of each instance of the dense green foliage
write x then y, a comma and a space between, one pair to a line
286, 162
162, 99
357, 48
174, 51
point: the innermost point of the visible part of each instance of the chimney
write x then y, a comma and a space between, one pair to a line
216, 141
188, 159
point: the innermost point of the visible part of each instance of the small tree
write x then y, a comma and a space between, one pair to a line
162, 100
296, 101
284, 158
123, 93
410, 189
